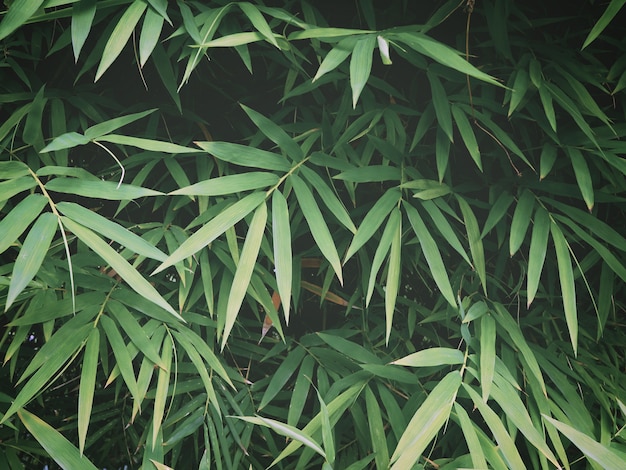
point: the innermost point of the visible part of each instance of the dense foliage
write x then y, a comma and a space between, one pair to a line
312, 235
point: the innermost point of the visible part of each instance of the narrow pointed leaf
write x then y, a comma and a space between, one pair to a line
83, 13
283, 257
487, 354
381, 251
467, 134
246, 265
471, 437
432, 254
258, 21
99, 189
275, 133
213, 229
393, 278
122, 357
432, 357
315, 220
583, 176
150, 145
611, 11
230, 184
163, 382
521, 220
31, 254
361, 65
122, 267
17, 15
56, 446
475, 242
442, 105
537, 252
15, 222
150, 32
335, 57
87, 385
245, 156
281, 375
120, 35
426, 422
566, 278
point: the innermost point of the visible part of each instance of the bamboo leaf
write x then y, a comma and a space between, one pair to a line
275, 133
150, 145
300, 390
520, 87
431, 357
548, 106
467, 134
57, 447
150, 33
31, 255
15, 222
566, 278
547, 159
361, 65
611, 11
120, 35
245, 156
441, 104
487, 354
213, 229
283, 257
87, 385
65, 141
99, 189
374, 218
471, 437
603, 455
230, 184
17, 15
163, 382
110, 229
122, 357
521, 220
393, 278
83, 13
498, 209
583, 176
381, 251
432, 254
537, 252
122, 267
246, 265
370, 173
258, 21
10, 188
282, 374
475, 242
426, 422
335, 57
377, 431
317, 224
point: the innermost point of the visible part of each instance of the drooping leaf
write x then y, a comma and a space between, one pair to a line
245, 156
83, 13
537, 252
87, 386
17, 15
283, 256
15, 222
431, 357
609, 14
361, 65
230, 184
99, 189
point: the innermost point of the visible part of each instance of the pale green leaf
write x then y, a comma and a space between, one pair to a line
83, 13
10, 188
566, 278
15, 222
258, 21
213, 229
162, 386
31, 255
537, 252
146, 144
475, 242
317, 224
120, 35
99, 189
471, 437
583, 176
467, 134
56, 446
371, 173
335, 57
65, 141
361, 65
18, 14
150, 33
123, 359
393, 278
230, 184
426, 422
87, 385
521, 220
275, 133
487, 354
283, 257
377, 431
381, 251
441, 103
245, 156
246, 265
122, 267
431, 357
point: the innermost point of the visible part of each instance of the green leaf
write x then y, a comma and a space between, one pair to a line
122, 357
441, 53
301, 389
283, 257
471, 437
282, 374
17, 15
110, 229
120, 35
603, 455
381, 251
566, 278
431, 357
393, 278
335, 57
374, 218
87, 385
150, 145
475, 242
431, 253
122, 267
285, 430
361, 65
371, 173
547, 159
15, 222
150, 33
350, 349
110, 125
323, 33
521, 220
213, 229
275, 133
426, 422
246, 265
505, 442
583, 176
65, 141
537, 252
548, 106
162, 386
520, 87
609, 14
377, 431
230, 184
245, 156
99, 189
10, 188
487, 354
467, 134
317, 224
441, 103
57, 447
258, 21
83, 13
498, 209
31, 255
